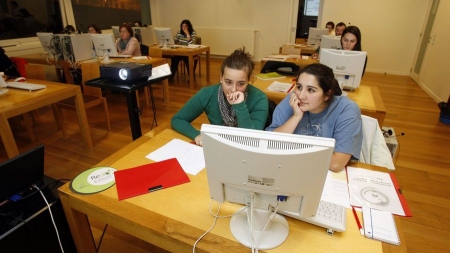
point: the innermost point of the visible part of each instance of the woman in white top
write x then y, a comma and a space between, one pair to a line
127, 44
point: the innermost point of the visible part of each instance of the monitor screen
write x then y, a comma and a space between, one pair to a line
116, 32
241, 163
104, 44
144, 35
21, 172
164, 36
329, 41
348, 66
45, 39
315, 34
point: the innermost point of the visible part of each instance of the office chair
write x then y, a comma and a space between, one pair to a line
144, 50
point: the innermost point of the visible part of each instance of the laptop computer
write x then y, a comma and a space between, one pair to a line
21, 172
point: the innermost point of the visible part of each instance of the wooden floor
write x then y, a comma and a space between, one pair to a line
422, 166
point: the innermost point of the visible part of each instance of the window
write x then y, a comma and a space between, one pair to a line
105, 13
24, 19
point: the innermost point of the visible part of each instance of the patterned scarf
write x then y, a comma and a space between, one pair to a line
123, 43
226, 111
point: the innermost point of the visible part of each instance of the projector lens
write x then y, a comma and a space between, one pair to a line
123, 74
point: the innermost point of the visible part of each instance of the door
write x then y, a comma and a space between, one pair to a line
434, 74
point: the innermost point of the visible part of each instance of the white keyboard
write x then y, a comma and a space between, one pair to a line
25, 86
331, 216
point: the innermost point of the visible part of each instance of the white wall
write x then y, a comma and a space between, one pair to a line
390, 30
270, 18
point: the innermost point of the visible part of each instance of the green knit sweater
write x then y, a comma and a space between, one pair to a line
251, 114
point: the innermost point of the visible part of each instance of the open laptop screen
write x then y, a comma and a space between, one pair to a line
21, 172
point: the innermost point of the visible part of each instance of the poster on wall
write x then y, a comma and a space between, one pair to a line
312, 7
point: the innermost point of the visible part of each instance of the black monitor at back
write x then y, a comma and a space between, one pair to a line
21, 172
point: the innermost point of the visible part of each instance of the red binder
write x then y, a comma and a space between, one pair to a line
149, 177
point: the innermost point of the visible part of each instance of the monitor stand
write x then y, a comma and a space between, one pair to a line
274, 235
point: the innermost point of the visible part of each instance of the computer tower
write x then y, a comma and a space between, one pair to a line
391, 140
77, 47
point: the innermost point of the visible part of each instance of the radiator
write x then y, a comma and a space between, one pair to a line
225, 41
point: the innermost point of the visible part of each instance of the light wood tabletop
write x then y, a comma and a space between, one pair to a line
367, 97
174, 218
16, 102
190, 53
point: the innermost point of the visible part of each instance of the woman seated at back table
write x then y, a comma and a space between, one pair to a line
351, 40
232, 102
316, 108
185, 36
127, 44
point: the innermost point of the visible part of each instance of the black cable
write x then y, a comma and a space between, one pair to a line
101, 239
28, 225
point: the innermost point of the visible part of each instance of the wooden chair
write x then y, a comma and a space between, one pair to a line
92, 96
196, 58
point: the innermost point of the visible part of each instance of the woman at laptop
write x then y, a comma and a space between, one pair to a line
232, 102
185, 36
351, 40
127, 44
316, 108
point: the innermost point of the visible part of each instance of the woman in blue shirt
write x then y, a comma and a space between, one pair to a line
316, 108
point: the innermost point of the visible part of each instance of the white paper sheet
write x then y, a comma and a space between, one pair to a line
335, 189
189, 156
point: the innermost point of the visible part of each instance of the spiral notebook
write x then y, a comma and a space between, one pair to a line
380, 225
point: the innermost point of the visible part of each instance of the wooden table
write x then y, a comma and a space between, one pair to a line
175, 217
304, 48
17, 102
367, 97
42, 59
190, 53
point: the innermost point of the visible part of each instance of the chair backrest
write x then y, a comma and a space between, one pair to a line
155, 52
374, 149
34, 71
89, 71
272, 106
144, 50
198, 40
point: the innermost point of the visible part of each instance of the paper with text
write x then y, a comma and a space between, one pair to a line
189, 156
335, 189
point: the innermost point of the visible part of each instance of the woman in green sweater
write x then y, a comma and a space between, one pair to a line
232, 102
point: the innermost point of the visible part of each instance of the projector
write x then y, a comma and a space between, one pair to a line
391, 140
126, 71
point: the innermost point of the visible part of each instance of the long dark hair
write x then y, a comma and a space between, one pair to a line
325, 77
239, 60
190, 27
355, 31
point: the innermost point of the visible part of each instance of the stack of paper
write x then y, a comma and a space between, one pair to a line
280, 87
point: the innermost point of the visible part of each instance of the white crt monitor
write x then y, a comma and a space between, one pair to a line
315, 34
45, 39
269, 165
330, 41
348, 66
104, 44
144, 35
164, 36
115, 31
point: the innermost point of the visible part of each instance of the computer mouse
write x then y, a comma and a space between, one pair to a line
20, 79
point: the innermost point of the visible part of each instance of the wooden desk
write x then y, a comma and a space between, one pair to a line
17, 102
367, 97
190, 53
66, 66
304, 49
174, 218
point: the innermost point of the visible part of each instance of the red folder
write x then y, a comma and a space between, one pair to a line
149, 177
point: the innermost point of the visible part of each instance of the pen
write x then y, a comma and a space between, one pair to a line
357, 221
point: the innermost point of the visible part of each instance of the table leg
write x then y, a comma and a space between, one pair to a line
133, 114
79, 227
82, 120
207, 66
191, 72
7, 137
166, 91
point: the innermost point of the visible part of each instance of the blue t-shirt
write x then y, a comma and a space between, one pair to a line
341, 120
